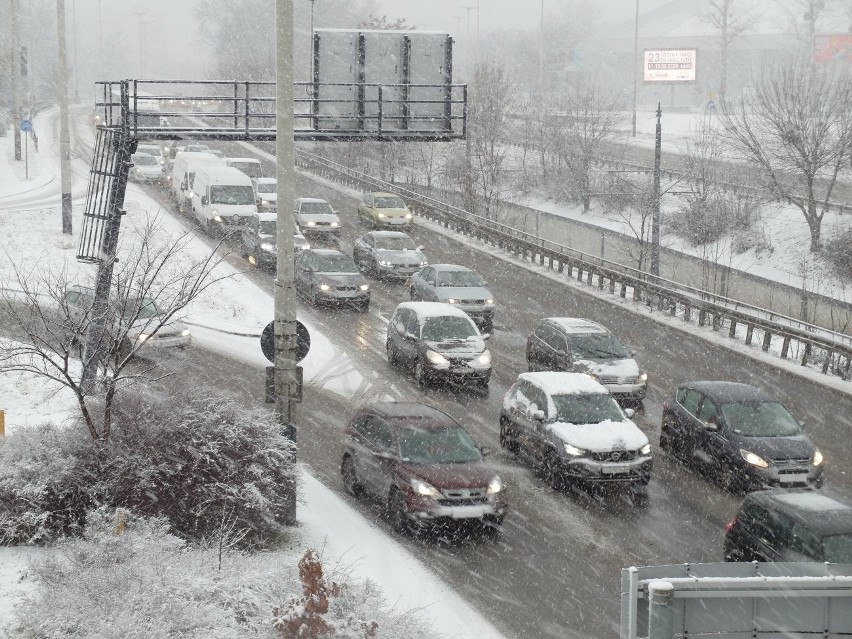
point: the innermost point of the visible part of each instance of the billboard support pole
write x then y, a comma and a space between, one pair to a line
635, 64
655, 229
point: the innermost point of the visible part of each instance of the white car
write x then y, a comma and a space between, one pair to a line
571, 428
265, 193
315, 216
145, 168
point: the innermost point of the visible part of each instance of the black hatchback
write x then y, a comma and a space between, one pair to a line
790, 525
742, 436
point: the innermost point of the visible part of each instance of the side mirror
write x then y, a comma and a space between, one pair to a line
629, 412
203, 200
485, 450
533, 412
486, 335
420, 247
632, 352
711, 426
383, 455
410, 335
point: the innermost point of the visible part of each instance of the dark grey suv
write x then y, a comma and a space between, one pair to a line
790, 525
327, 276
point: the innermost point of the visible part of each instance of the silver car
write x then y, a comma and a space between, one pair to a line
457, 285
327, 276
388, 254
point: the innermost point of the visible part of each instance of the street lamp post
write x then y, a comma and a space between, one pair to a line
635, 63
655, 229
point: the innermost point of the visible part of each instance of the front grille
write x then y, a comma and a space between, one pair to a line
613, 380
463, 496
344, 288
615, 456
473, 301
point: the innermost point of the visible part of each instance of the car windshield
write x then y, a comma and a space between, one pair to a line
458, 278
144, 160
314, 208
267, 227
597, 346
231, 194
334, 264
395, 243
586, 409
249, 168
147, 309
263, 187
391, 202
196, 148
436, 329
760, 419
442, 446
838, 548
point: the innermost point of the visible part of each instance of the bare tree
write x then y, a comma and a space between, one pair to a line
797, 129
803, 17
630, 197
587, 119
731, 18
153, 274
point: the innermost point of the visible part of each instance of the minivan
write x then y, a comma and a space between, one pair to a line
222, 196
251, 167
184, 168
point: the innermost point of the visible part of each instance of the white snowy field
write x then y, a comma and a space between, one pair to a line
32, 239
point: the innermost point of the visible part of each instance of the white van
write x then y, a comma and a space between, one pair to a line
249, 166
184, 169
222, 196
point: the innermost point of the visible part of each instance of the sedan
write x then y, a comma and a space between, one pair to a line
457, 285
388, 254
327, 276
740, 435
145, 168
383, 210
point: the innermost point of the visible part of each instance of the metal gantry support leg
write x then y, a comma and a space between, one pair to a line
660, 611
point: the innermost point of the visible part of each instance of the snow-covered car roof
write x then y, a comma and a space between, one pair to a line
267, 216
388, 234
243, 160
810, 501
558, 383
266, 180
310, 199
382, 194
434, 309
442, 268
577, 325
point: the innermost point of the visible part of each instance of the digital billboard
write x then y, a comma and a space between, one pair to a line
669, 65
835, 47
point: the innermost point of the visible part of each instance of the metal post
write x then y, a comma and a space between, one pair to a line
541, 62
287, 388
655, 229
64, 133
660, 610
635, 63
76, 52
16, 75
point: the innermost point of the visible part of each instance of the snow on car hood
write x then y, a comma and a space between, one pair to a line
458, 348
608, 367
328, 218
602, 437
463, 293
412, 258
342, 279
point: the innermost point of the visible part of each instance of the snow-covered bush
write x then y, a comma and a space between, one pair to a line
702, 220
145, 583
838, 250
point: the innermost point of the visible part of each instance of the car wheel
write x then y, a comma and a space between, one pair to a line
364, 307
730, 480
665, 441
420, 373
488, 326
733, 554
482, 388
350, 479
507, 442
551, 471
412, 294
397, 511
391, 353
125, 349
314, 297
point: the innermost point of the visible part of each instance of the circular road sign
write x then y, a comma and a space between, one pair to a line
26, 125
267, 341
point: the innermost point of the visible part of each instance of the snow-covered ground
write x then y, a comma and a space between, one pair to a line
31, 231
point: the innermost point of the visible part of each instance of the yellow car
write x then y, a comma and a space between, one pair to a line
384, 210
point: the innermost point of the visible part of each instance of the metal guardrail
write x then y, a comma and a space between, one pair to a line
810, 345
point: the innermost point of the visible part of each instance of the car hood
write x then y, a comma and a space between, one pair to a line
317, 217
793, 447
146, 325
464, 475
342, 279
608, 367
470, 347
602, 437
463, 293
392, 212
415, 258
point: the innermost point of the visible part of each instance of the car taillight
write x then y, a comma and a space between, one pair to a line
730, 525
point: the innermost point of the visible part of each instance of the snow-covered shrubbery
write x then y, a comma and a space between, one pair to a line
146, 583
838, 250
205, 464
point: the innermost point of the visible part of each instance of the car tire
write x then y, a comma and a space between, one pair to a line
488, 326
392, 359
550, 471
364, 307
314, 298
482, 388
420, 373
507, 443
730, 480
350, 477
397, 511
665, 440
125, 349
412, 294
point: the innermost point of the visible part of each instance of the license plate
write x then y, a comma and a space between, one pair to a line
793, 479
462, 369
615, 469
470, 512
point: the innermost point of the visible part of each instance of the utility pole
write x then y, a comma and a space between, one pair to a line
655, 230
76, 52
287, 384
541, 60
468, 17
64, 133
635, 64
16, 75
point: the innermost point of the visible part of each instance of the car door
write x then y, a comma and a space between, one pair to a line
707, 441
409, 336
419, 282
368, 447
303, 273
536, 437
250, 236
762, 537
526, 427
555, 350
684, 412
363, 252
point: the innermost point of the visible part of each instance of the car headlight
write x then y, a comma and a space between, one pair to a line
645, 450
263, 202
408, 216
364, 287
312, 223
494, 486
485, 358
643, 377
452, 300
574, 451
489, 302
381, 215
385, 262
185, 332
436, 358
818, 459
191, 194
422, 488
266, 246
216, 218
334, 225
324, 287
142, 337
424, 263
754, 460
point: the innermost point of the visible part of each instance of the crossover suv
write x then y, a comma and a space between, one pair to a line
422, 465
740, 435
440, 344
570, 428
790, 525
384, 210
327, 276
316, 217
582, 346
259, 240
456, 285
391, 254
